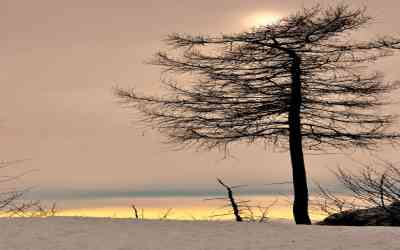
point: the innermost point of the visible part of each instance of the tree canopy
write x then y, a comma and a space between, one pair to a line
301, 82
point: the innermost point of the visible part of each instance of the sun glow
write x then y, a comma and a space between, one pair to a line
261, 19
175, 208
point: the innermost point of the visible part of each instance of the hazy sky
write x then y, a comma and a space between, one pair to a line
60, 59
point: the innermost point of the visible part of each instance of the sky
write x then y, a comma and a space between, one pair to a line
60, 61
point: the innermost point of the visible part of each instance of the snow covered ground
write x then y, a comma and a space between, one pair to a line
59, 233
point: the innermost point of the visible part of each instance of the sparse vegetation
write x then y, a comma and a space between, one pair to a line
373, 194
242, 210
11, 199
32, 209
9, 196
140, 215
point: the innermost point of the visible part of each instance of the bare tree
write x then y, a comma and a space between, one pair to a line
242, 210
31, 209
301, 82
232, 201
374, 196
9, 197
329, 203
371, 186
135, 211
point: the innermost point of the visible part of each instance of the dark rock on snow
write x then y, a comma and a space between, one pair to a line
375, 216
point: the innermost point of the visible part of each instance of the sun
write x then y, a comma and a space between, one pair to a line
261, 19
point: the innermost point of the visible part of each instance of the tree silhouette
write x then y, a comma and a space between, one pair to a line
301, 82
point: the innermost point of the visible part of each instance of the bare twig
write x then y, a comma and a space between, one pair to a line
166, 214
135, 211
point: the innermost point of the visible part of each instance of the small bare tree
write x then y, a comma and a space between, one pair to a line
298, 83
31, 209
232, 201
9, 197
330, 203
369, 188
242, 210
135, 211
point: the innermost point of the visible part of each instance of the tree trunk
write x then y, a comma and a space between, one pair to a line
300, 204
234, 205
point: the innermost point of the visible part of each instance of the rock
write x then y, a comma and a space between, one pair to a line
375, 216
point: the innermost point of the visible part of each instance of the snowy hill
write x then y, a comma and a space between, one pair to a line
59, 233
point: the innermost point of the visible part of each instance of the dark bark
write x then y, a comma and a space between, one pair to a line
135, 211
300, 204
234, 205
